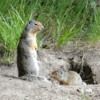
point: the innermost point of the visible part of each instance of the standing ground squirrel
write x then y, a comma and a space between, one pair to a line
27, 63
67, 78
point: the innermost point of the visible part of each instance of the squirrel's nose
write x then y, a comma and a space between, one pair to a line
42, 28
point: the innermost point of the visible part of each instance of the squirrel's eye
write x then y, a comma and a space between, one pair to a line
35, 24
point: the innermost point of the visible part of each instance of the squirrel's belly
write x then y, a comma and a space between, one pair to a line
33, 68
33, 53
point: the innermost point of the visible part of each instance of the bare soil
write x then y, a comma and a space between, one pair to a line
84, 60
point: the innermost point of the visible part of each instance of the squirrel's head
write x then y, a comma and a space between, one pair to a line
34, 26
59, 74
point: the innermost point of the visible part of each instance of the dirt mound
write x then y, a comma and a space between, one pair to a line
87, 63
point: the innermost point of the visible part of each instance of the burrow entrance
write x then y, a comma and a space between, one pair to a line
85, 72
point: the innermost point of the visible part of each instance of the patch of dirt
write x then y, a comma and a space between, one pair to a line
13, 89
85, 61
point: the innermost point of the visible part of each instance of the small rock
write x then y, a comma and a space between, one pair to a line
89, 90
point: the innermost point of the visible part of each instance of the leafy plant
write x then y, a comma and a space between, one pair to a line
63, 21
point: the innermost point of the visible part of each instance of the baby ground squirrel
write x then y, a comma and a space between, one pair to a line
27, 63
67, 78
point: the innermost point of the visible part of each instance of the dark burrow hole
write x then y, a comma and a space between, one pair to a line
85, 72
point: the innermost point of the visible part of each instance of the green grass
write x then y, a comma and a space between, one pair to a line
63, 20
